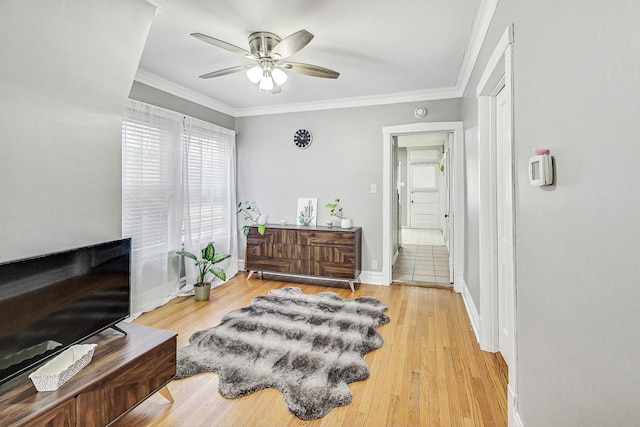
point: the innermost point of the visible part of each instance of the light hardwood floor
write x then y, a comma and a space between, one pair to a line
429, 372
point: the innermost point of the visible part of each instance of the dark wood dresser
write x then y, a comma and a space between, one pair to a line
330, 254
123, 372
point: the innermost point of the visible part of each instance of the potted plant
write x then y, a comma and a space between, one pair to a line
253, 216
336, 210
206, 265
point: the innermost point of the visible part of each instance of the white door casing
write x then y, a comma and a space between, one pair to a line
497, 328
448, 218
457, 191
504, 224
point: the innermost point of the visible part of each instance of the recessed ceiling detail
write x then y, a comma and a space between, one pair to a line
386, 52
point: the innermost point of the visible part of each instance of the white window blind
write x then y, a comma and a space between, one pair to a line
178, 187
150, 156
209, 208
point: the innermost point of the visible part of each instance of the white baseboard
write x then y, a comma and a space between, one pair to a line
514, 417
371, 278
472, 312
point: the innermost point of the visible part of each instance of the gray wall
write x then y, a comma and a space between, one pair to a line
65, 73
150, 95
343, 160
577, 243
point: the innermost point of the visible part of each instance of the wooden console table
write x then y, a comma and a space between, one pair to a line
318, 252
124, 371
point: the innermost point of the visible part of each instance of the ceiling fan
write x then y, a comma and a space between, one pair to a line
268, 49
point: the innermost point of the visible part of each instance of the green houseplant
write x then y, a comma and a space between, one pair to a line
206, 264
335, 209
252, 215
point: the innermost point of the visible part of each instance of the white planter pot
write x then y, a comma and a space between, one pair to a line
345, 223
262, 220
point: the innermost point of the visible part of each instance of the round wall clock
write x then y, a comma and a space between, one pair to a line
302, 138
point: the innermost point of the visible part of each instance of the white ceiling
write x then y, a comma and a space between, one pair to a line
393, 51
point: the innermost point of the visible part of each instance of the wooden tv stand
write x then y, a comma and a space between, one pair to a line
124, 371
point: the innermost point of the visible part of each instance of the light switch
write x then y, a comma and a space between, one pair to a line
374, 188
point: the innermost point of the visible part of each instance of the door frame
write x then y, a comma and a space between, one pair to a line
457, 187
497, 74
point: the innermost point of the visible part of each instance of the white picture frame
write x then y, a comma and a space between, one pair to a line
307, 213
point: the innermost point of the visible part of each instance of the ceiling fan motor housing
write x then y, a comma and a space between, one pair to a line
262, 42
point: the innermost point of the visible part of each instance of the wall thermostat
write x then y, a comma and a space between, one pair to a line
541, 170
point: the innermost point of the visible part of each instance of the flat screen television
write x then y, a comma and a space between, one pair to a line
51, 302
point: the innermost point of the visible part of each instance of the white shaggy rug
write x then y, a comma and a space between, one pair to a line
307, 346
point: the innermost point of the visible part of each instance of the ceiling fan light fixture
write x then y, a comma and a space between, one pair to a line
254, 74
279, 76
266, 83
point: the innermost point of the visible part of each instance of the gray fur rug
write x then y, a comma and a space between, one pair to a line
307, 346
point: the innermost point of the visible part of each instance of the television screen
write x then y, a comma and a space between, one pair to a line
50, 302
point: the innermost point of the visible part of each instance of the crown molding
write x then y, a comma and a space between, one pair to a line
481, 23
155, 81
365, 101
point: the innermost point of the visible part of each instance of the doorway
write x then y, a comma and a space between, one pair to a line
452, 221
422, 255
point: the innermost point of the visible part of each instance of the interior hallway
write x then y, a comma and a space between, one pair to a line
423, 259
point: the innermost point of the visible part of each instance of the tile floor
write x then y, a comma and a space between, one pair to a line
422, 264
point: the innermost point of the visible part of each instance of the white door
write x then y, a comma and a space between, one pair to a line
504, 235
448, 178
424, 195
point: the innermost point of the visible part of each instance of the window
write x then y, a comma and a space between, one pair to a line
178, 189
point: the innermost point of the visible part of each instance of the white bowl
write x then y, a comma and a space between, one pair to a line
57, 371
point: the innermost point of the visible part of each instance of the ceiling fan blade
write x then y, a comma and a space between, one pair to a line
226, 71
292, 44
310, 70
224, 45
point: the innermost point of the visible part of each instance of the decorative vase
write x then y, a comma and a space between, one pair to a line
345, 223
202, 291
262, 219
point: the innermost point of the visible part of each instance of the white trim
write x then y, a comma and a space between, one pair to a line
365, 101
497, 74
493, 65
372, 278
387, 196
165, 85
150, 79
472, 312
481, 24
513, 416
487, 203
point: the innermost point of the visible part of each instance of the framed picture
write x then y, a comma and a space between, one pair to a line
307, 209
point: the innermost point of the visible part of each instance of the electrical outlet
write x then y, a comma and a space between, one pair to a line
374, 264
374, 188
